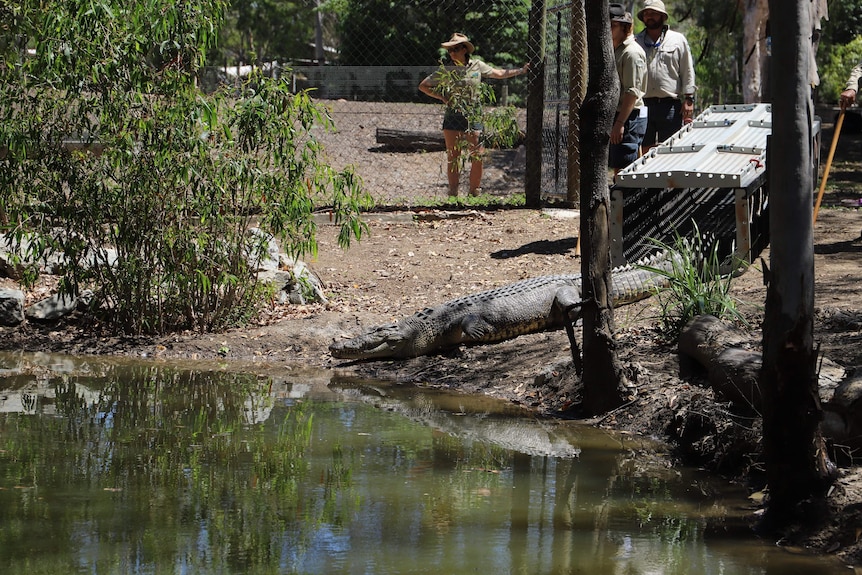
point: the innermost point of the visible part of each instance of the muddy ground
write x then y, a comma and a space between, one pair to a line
416, 258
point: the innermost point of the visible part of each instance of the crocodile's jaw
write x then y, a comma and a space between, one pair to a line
384, 341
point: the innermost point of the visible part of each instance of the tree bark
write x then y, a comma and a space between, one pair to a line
535, 104
603, 377
754, 45
792, 411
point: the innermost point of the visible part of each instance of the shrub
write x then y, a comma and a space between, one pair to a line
160, 223
835, 71
696, 284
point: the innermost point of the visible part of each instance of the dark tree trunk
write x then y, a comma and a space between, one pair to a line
577, 91
602, 376
535, 104
791, 407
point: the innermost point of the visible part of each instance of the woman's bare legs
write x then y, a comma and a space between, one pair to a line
454, 146
476, 151
453, 155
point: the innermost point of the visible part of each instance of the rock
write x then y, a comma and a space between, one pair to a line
51, 308
11, 307
269, 261
299, 285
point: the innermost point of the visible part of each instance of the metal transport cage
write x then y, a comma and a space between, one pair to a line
712, 173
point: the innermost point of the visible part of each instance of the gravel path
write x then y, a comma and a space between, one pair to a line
407, 178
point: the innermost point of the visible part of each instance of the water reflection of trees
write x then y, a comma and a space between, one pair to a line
153, 469
179, 449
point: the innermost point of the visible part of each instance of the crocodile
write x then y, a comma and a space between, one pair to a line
533, 305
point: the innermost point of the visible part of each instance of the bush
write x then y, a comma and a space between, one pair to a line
160, 223
836, 70
696, 285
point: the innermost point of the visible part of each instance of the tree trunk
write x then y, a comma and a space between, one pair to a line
732, 371
754, 44
602, 377
535, 104
410, 139
792, 411
577, 91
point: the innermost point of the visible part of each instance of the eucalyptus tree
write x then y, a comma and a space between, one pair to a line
603, 376
141, 186
390, 33
797, 467
273, 29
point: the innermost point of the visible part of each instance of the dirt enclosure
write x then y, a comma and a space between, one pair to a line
415, 258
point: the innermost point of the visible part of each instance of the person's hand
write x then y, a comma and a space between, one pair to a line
617, 131
848, 98
526, 67
687, 111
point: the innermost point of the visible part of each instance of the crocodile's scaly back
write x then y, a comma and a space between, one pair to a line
528, 306
494, 315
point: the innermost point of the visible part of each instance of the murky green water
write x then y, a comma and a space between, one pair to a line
121, 467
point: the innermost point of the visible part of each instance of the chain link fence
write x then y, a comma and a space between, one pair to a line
392, 133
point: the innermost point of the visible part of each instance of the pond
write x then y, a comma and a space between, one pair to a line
114, 466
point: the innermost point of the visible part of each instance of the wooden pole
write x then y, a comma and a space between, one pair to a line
535, 104
838, 124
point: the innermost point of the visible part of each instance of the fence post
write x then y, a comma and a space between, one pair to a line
535, 104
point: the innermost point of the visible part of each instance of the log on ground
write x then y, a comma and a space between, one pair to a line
410, 140
732, 371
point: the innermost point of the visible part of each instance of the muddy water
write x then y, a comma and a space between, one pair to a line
114, 467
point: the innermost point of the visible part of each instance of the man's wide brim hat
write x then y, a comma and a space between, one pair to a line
656, 5
457, 39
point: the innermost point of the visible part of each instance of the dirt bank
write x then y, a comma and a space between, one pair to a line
420, 258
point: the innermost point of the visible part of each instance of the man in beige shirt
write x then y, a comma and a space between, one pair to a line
670, 75
631, 119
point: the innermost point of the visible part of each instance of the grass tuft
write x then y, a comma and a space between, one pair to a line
696, 284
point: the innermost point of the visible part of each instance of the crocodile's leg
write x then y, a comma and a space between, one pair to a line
568, 300
576, 351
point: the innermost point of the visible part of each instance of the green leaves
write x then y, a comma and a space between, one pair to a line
159, 222
696, 285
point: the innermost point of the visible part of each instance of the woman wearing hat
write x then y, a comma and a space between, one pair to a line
462, 121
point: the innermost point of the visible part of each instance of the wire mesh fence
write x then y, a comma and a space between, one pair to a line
392, 133
560, 19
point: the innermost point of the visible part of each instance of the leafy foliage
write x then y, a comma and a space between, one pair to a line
836, 69
389, 33
272, 29
158, 218
845, 22
715, 36
473, 100
696, 283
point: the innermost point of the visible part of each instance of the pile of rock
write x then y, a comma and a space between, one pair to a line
292, 280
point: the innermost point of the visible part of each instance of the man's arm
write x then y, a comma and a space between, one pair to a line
848, 96
687, 81
627, 105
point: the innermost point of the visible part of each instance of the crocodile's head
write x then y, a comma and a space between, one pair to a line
385, 341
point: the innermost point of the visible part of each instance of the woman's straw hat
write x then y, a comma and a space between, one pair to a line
457, 39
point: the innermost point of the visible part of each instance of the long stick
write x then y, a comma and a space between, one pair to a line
838, 124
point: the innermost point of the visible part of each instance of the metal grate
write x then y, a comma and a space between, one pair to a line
712, 173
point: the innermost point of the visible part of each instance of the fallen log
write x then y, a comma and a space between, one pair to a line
418, 141
732, 371
411, 140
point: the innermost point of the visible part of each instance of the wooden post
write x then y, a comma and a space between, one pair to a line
535, 104
796, 468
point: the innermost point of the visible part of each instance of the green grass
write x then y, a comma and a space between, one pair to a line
696, 284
